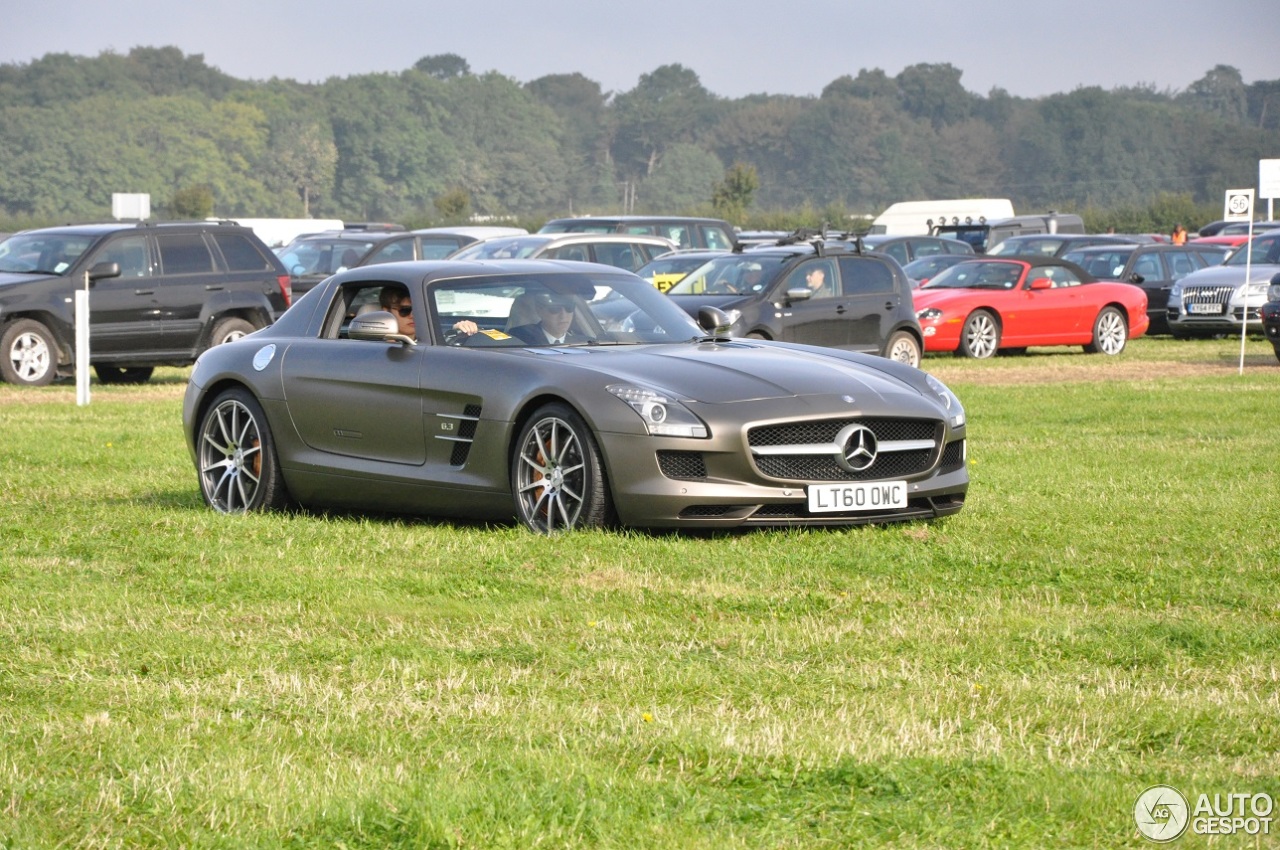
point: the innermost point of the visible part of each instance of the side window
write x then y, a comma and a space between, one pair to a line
897, 250
715, 237
617, 254
865, 276
351, 301
678, 234
926, 248
569, 252
130, 252
817, 276
184, 253
437, 248
1148, 265
392, 252
1061, 276
240, 253
1181, 265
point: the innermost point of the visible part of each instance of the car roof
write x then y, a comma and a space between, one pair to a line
477, 231
100, 228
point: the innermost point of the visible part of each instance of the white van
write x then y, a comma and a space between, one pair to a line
918, 218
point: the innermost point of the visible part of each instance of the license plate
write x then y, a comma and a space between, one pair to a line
829, 498
1204, 308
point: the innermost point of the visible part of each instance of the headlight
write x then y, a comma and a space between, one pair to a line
1255, 290
929, 314
1175, 293
662, 414
1273, 292
949, 400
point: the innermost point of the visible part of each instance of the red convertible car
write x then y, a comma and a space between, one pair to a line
991, 304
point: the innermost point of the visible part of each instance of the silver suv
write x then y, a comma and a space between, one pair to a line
1220, 298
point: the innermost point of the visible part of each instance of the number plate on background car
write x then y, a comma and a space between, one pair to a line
1204, 308
828, 498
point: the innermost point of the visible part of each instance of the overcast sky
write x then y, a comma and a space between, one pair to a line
1028, 48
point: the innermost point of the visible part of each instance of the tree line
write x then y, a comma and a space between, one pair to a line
437, 143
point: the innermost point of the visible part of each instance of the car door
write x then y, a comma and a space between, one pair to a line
189, 276
817, 320
124, 312
1157, 280
356, 398
1051, 316
871, 299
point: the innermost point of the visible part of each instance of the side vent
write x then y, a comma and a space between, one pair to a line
459, 430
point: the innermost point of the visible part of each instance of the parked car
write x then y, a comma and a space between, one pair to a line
159, 295
1271, 315
669, 269
675, 425
1153, 267
1221, 298
1054, 244
684, 231
311, 258
625, 251
985, 235
863, 302
905, 249
921, 271
433, 243
986, 305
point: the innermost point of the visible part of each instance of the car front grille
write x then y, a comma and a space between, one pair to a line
809, 451
683, 466
1207, 294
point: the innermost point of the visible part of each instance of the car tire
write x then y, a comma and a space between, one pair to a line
557, 474
980, 336
123, 374
903, 348
1276, 346
236, 456
230, 330
1110, 333
28, 354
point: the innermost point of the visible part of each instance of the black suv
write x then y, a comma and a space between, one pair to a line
812, 293
159, 295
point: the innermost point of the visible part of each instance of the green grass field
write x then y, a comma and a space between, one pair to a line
1101, 617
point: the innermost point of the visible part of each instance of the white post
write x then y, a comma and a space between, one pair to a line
1248, 277
82, 343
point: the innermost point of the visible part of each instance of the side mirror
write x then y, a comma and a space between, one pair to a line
799, 293
102, 271
378, 326
714, 321
1042, 283
1136, 278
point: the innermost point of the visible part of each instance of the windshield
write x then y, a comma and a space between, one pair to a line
602, 308
1263, 249
43, 253
509, 248
977, 274
735, 274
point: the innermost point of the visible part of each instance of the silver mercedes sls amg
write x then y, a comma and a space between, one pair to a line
566, 395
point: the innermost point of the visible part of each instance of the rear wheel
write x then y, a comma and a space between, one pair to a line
28, 353
980, 336
123, 374
902, 347
230, 330
236, 456
557, 476
1110, 333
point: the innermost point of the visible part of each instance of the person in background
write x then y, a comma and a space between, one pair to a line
1179, 235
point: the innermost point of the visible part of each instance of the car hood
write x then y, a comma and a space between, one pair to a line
9, 278
1230, 275
741, 371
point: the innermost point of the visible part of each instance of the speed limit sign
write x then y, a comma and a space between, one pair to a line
1239, 205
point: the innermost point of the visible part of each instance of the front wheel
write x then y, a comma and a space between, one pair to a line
230, 330
980, 336
236, 456
1110, 333
903, 348
557, 476
30, 354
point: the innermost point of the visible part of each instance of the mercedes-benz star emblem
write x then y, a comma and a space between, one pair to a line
859, 448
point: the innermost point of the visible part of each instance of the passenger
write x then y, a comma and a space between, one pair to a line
397, 302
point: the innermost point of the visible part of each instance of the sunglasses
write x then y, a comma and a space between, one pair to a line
403, 309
